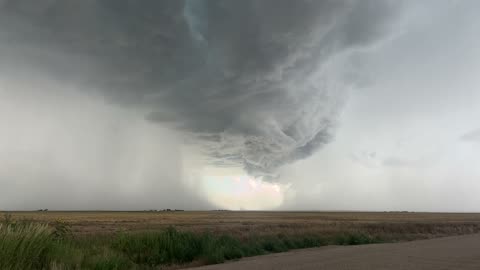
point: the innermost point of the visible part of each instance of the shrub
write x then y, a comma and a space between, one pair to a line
355, 239
217, 249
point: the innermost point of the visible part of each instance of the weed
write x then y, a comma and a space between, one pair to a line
7, 219
61, 229
24, 246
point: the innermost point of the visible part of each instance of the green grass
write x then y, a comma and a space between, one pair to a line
25, 245
32, 245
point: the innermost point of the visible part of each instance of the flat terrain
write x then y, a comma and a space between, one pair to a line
171, 240
458, 253
262, 222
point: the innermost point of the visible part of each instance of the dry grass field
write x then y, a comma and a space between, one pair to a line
395, 225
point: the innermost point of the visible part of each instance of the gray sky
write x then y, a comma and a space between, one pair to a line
323, 105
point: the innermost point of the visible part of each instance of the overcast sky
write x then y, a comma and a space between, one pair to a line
266, 104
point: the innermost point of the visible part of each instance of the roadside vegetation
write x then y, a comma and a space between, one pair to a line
35, 245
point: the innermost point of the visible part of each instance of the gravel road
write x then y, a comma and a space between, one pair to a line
456, 253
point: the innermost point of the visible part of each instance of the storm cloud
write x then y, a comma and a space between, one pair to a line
255, 84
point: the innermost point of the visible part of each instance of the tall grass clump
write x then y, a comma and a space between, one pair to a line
157, 248
24, 245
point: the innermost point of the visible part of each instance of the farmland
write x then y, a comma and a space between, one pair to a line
234, 222
152, 240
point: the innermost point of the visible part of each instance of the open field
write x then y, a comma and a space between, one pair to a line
260, 222
155, 240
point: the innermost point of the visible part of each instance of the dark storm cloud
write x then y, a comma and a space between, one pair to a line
256, 83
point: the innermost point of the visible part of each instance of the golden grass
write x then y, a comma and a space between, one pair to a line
246, 223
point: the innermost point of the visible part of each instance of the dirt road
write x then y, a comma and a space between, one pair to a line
456, 253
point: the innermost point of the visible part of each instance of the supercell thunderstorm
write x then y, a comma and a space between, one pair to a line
255, 83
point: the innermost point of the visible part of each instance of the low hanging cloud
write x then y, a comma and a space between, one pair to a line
256, 84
